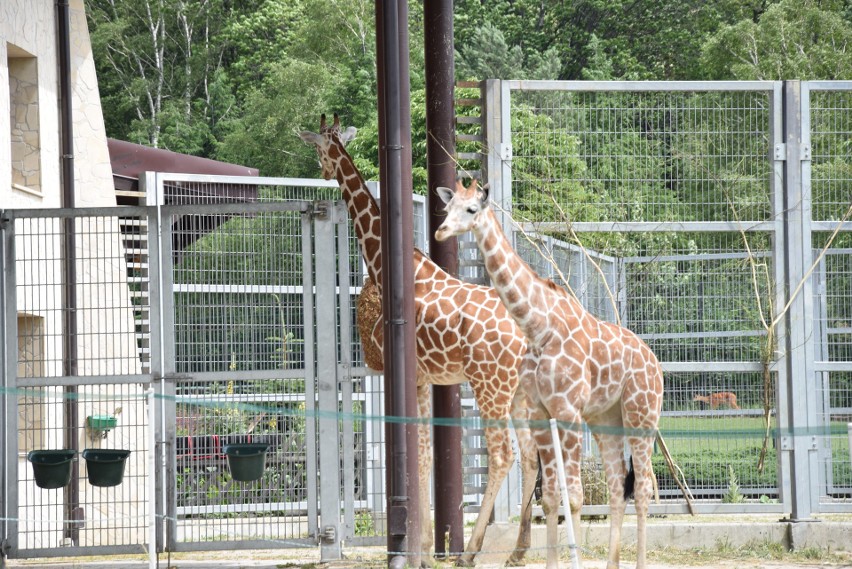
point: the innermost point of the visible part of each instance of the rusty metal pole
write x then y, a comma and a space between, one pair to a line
441, 171
398, 282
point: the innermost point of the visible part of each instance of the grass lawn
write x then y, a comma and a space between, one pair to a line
709, 448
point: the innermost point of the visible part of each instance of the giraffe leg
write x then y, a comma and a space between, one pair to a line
642, 449
500, 458
550, 497
529, 470
572, 447
424, 463
611, 446
571, 442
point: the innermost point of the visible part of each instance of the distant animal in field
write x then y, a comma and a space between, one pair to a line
720, 399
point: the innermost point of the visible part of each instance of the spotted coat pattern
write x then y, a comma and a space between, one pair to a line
577, 368
463, 334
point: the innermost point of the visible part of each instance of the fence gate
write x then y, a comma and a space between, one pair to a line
201, 322
252, 355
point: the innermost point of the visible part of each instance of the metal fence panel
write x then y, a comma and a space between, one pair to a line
680, 185
829, 114
74, 385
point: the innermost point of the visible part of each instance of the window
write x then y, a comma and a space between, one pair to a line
24, 121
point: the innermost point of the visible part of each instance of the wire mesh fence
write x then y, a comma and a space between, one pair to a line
679, 187
670, 220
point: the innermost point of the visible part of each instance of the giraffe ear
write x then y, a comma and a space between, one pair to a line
348, 135
446, 194
484, 192
309, 137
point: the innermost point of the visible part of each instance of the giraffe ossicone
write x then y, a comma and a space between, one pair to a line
463, 334
577, 368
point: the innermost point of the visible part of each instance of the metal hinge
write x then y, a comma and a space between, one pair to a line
505, 151
780, 152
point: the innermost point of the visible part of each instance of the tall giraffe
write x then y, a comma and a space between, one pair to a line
463, 334
576, 368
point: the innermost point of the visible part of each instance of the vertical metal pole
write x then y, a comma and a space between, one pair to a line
397, 280
71, 493
163, 365
152, 479
310, 370
799, 443
566, 505
344, 368
779, 251
9, 369
492, 130
148, 185
327, 401
441, 165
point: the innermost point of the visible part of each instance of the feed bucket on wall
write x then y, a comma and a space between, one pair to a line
51, 468
105, 466
246, 460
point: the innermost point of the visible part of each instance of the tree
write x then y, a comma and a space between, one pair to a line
791, 40
485, 54
157, 62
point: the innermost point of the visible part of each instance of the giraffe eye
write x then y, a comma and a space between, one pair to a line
472, 210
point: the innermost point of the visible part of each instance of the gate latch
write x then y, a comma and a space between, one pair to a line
329, 534
321, 210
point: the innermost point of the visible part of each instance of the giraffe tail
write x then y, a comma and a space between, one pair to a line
629, 481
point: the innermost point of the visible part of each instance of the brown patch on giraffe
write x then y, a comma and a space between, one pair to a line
368, 312
360, 202
347, 168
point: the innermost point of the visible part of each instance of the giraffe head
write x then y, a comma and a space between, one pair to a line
465, 208
329, 144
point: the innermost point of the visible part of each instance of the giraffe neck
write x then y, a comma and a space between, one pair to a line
364, 212
511, 276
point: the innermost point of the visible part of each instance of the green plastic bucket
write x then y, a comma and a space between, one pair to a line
246, 460
105, 465
51, 468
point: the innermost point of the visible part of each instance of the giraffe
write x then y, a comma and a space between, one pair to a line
463, 334
576, 368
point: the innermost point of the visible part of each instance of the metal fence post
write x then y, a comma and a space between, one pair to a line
161, 283
9, 370
495, 147
327, 392
797, 441
344, 368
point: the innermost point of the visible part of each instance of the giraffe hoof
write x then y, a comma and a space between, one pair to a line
515, 561
465, 561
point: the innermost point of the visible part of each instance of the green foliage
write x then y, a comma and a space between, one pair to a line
236, 80
794, 39
485, 54
733, 495
364, 525
267, 136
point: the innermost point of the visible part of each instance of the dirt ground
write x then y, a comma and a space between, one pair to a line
374, 557
707, 551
